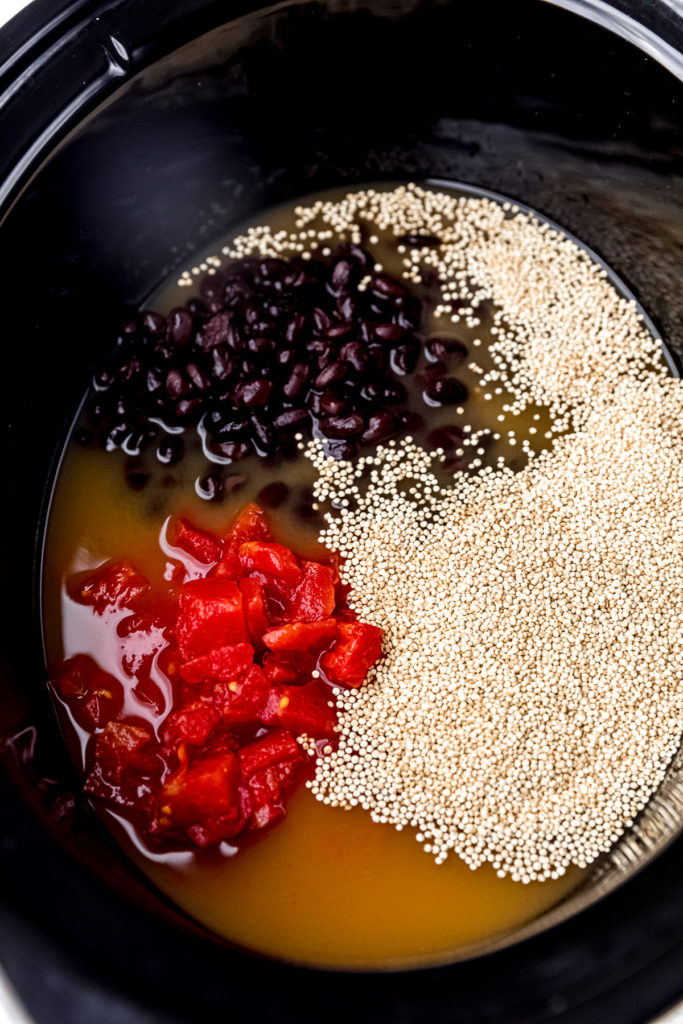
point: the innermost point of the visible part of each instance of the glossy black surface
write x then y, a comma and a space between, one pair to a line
523, 98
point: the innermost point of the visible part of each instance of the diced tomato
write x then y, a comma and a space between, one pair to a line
274, 560
211, 615
254, 608
275, 746
192, 725
358, 648
120, 744
200, 545
95, 697
206, 801
241, 701
278, 670
314, 597
302, 709
113, 586
270, 766
250, 524
228, 662
302, 636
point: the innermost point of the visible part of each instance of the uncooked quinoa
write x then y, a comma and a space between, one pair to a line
529, 700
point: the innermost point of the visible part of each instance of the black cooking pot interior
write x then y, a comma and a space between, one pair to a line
135, 132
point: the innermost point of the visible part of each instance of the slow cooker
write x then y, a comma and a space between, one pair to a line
136, 131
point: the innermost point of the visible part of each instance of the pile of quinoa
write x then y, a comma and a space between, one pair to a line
529, 699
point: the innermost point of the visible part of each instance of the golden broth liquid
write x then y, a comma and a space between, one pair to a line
325, 887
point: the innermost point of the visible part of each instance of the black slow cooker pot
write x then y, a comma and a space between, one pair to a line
134, 132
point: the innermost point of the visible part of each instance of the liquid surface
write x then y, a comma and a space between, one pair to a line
327, 886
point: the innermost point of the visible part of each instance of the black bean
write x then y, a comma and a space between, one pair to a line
388, 332
233, 450
296, 380
360, 256
355, 353
215, 331
332, 373
321, 320
441, 347
420, 241
381, 426
209, 487
115, 436
170, 449
273, 494
137, 478
221, 363
340, 330
179, 326
254, 393
197, 376
139, 439
163, 351
291, 419
383, 392
259, 346
177, 384
153, 380
262, 435
377, 353
404, 357
230, 427
343, 426
332, 403
129, 328
446, 391
122, 407
285, 356
272, 268
448, 437
408, 319
412, 421
346, 306
387, 287
154, 324
186, 408
341, 275
346, 450
294, 327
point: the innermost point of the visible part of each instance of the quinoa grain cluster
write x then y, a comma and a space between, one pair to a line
530, 699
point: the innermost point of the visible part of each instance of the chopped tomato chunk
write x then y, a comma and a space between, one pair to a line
358, 648
94, 696
241, 701
278, 670
254, 608
302, 709
250, 524
272, 559
200, 545
226, 662
301, 636
314, 597
192, 725
205, 801
113, 586
211, 616
270, 766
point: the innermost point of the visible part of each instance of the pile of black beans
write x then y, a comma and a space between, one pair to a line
272, 348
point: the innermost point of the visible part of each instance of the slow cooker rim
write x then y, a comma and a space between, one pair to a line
81, 6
